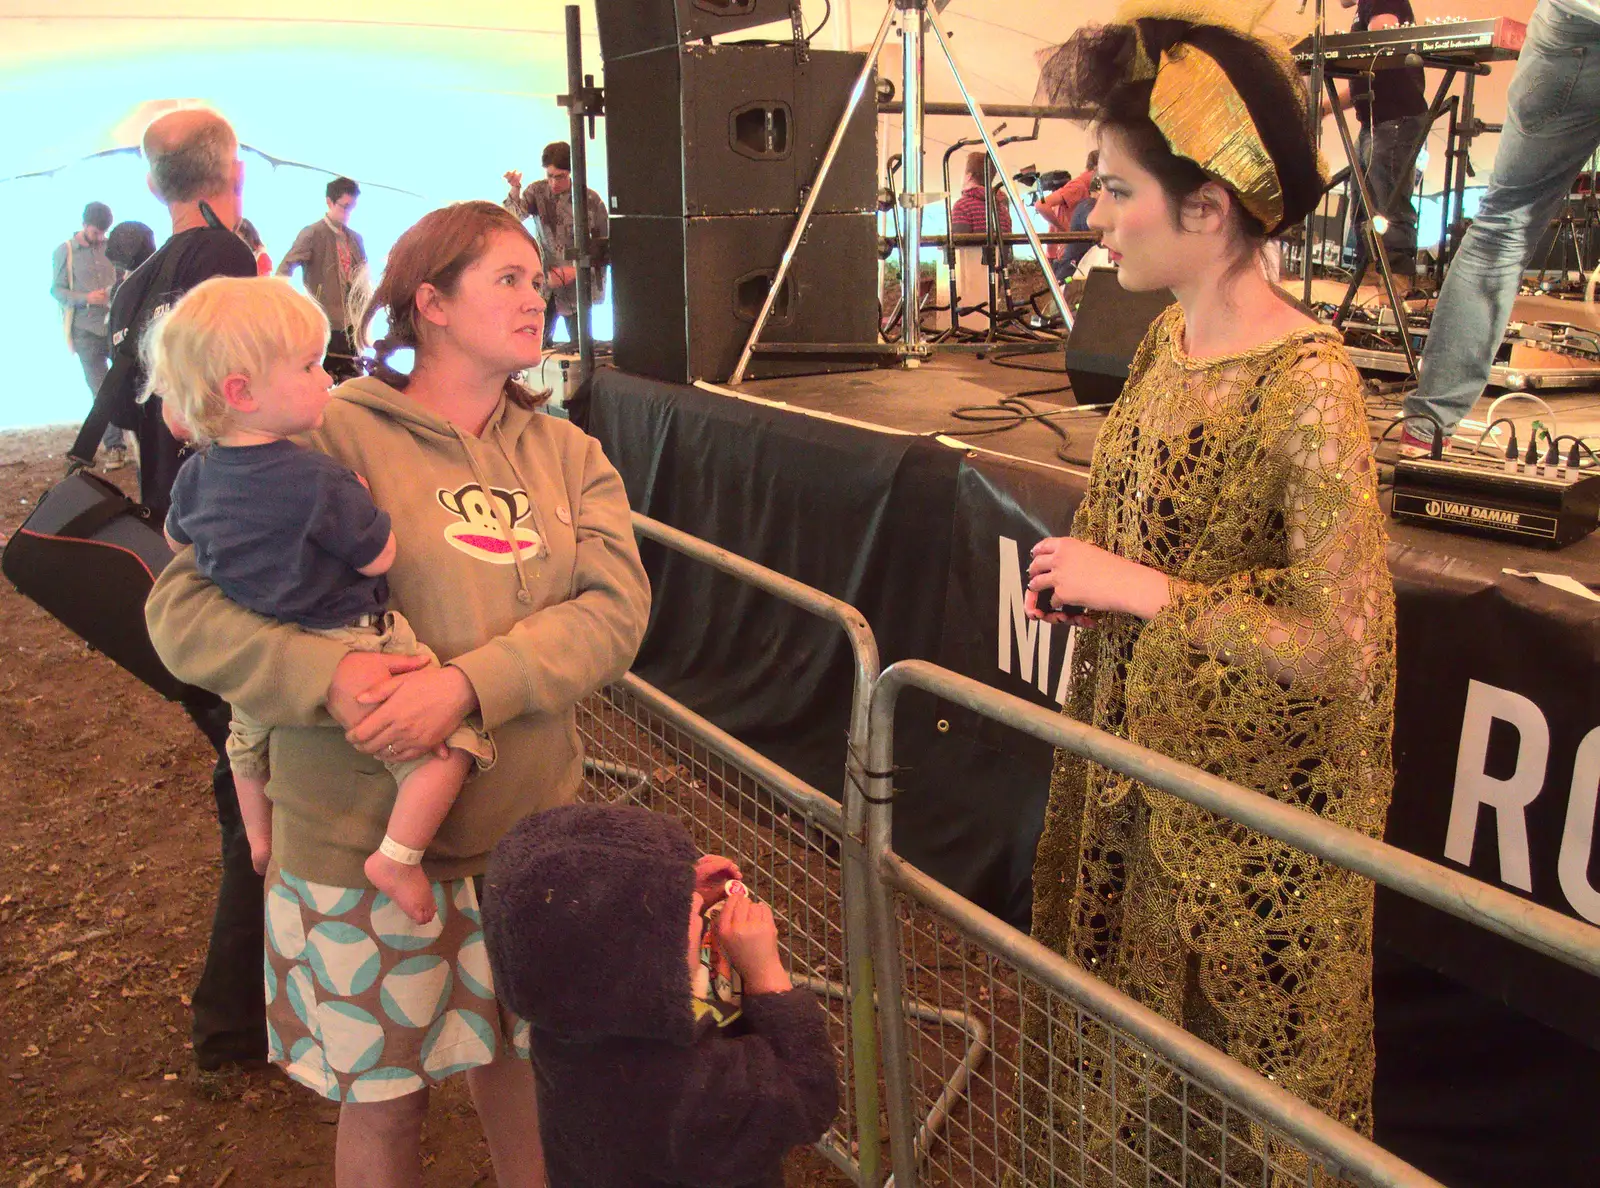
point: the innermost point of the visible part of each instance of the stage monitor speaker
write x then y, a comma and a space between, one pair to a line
735, 129
687, 292
1110, 325
634, 26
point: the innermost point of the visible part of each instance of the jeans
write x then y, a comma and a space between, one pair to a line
1068, 263
1389, 151
94, 353
230, 1006
1552, 127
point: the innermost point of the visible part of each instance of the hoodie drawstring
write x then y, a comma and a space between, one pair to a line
535, 512
524, 595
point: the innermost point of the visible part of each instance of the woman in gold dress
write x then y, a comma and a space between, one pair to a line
1238, 613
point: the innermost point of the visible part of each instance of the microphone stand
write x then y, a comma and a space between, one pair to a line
1314, 114
582, 100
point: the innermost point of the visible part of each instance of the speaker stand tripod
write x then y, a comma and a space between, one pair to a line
1566, 241
917, 19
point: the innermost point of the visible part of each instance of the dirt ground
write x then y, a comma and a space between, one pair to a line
108, 866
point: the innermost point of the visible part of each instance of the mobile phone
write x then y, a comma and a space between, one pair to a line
1048, 606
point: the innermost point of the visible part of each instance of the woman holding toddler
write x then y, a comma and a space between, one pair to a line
514, 561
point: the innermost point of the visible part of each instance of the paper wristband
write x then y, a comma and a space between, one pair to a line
404, 855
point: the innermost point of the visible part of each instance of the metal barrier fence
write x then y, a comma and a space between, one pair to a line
1042, 1074
799, 848
1002, 1063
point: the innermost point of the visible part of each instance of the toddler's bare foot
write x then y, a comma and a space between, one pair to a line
406, 885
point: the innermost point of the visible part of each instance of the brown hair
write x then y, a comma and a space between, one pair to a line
435, 250
557, 153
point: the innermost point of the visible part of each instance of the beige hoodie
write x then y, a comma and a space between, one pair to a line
516, 564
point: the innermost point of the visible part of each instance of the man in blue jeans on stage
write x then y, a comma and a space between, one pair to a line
1552, 129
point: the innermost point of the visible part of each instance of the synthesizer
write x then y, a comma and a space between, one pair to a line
1495, 39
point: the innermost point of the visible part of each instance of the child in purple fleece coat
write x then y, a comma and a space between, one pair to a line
593, 919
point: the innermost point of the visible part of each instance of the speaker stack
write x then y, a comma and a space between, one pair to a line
710, 149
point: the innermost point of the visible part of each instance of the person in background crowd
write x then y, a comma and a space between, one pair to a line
1226, 569
81, 281
515, 562
1552, 128
128, 245
252, 240
1080, 222
333, 264
970, 216
1393, 109
549, 201
193, 158
1062, 210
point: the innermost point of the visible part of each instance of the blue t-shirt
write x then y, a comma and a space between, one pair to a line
282, 531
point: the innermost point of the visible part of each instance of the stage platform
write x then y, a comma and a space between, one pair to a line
870, 487
925, 400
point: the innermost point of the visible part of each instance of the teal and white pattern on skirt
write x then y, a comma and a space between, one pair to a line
364, 1005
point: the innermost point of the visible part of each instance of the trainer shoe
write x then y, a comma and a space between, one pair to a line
114, 459
1412, 446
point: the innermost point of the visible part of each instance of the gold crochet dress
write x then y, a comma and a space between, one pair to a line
1249, 481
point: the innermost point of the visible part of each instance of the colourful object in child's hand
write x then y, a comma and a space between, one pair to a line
718, 986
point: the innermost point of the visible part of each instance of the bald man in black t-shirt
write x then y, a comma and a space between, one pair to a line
1393, 109
196, 173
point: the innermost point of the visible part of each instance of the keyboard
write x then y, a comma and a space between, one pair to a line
1495, 39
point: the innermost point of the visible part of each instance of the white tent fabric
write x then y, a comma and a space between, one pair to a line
423, 103
346, 87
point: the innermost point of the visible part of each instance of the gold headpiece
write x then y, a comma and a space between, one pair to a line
1199, 110
1203, 117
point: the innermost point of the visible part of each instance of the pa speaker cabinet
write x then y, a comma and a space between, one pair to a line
1110, 325
735, 129
687, 292
635, 26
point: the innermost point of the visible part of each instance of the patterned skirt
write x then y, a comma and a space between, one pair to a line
364, 1005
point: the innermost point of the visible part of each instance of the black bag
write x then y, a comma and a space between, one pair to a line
89, 555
